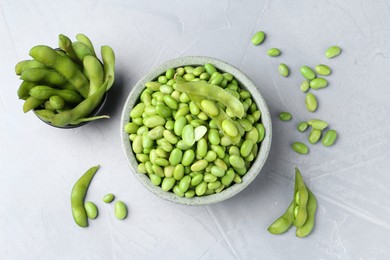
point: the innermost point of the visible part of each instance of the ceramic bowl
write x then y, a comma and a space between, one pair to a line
244, 83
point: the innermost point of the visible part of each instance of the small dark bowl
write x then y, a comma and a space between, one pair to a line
95, 112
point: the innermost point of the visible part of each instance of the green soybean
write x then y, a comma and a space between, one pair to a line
283, 70
180, 123
246, 147
217, 171
189, 194
311, 102
196, 179
236, 161
188, 135
168, 183
229, 128
108, 198
317, 124
318, 83
214, 185
91, 210
184, 183
261, 130
300, 148
285, 116
323, 70
258, 38
307, 72
302, 126
120, 210
273, 52
199, 166
305, 86
329, 138
314, 136
155, 179
210, 69
228, 178
201, 188
188, 157
57, 102
332, 52
209, 107
209, 177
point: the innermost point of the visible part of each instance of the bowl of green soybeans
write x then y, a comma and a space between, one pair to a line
196, 130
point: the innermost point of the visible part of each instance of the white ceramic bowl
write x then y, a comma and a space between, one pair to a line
244, 83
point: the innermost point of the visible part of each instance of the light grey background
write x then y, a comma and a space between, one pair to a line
39, 164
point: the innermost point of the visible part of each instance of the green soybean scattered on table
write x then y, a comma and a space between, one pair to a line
207, 139
258, 38
72, 78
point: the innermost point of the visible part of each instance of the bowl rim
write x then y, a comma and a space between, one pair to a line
245, 83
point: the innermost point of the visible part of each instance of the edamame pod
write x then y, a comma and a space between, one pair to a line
84, 39
43, 76
45, 92
94, 72
213, 92
303, 196
82, 110
78, 193
307, 228
66, 45
108, 57
65, 66
284, 222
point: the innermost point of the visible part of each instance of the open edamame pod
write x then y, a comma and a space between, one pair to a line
284, 222
307, 228
301, 189
213, 92
78, 193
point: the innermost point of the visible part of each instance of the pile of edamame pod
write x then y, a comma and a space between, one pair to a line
195, 131
64, 86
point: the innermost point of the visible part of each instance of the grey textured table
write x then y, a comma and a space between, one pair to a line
39, 164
